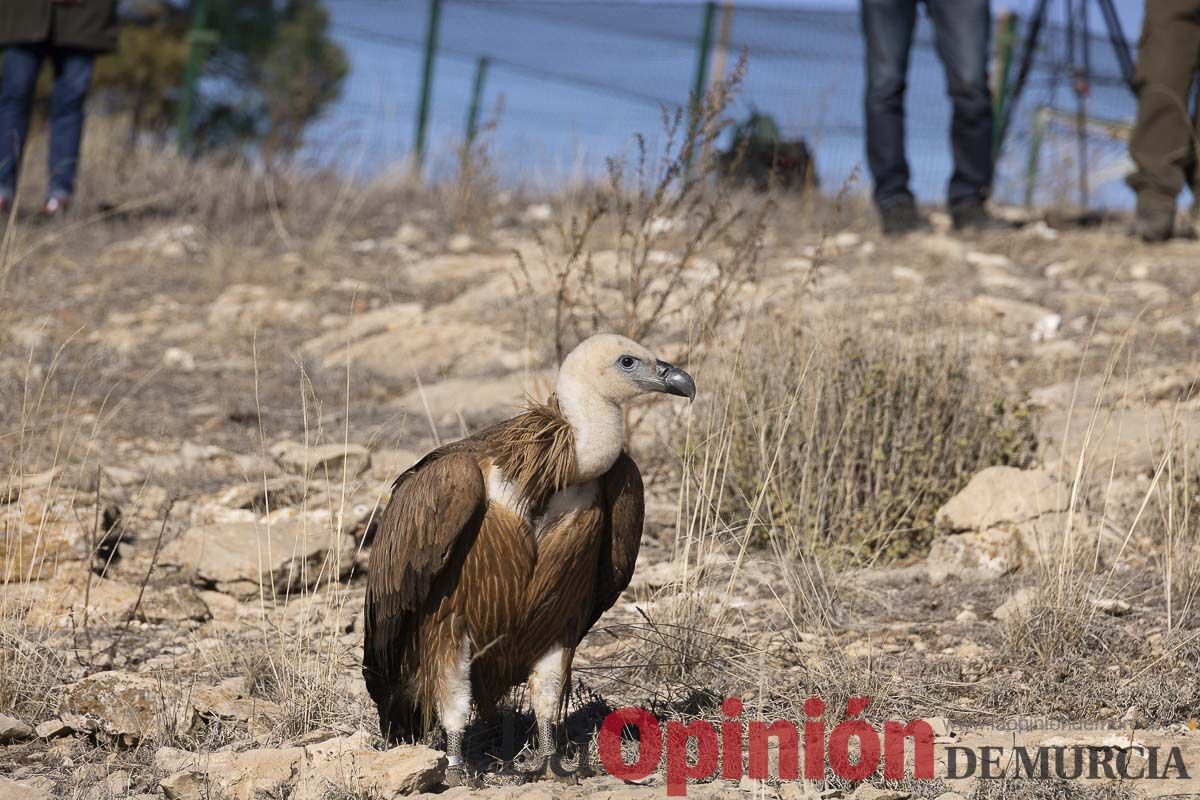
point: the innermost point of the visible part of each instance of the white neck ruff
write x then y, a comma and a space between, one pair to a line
599, 428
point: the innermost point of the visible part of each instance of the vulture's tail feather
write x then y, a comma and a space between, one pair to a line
400, 720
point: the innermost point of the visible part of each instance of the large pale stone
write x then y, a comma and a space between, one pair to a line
127, 706
13, 730
1000, 496
330, 461
72, 594
41, 534
261, 495
475, 401
433, 352
231, 701
172, 604
360, 326
996, 552
450, 273
344, 764
12, 790
238, 557
1005, 519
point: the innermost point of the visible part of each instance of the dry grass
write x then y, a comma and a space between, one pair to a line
660, 251
1175, 523
848, 440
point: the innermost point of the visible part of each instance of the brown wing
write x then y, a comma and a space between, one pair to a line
435, 510
625, 513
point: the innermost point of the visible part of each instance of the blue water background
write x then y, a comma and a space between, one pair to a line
571, 82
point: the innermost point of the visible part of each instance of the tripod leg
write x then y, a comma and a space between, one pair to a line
1120, 44
1027, 54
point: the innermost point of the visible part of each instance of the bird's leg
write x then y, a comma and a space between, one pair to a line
546, 683
454, 706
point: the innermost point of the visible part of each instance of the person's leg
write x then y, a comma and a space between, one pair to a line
16, 97
962, 32
1161, 143
72, 78
888, 33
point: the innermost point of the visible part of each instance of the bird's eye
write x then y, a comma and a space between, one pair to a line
627, 362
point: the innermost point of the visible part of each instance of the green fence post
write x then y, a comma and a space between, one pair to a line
481, 67
431, 34
1006, 45
1035, 154
700, 82
191, 73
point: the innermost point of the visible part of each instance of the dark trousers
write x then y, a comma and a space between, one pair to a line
72, 78
1163, 145
962, 32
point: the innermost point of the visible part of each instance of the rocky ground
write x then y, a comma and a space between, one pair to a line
201, 417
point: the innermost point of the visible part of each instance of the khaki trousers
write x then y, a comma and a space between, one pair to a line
1164, 144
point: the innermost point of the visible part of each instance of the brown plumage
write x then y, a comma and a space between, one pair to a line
497, 553
470, 568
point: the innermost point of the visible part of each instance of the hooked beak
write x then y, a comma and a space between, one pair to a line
675, 381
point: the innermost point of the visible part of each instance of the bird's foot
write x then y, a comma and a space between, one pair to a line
457, 775
553, 769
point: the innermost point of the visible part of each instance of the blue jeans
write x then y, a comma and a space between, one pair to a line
962, 33
72, 77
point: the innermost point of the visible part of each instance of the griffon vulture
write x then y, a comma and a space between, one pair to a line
497, 553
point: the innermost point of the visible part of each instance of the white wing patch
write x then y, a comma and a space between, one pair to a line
505, 493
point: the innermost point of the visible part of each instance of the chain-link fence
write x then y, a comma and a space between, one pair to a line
568, 83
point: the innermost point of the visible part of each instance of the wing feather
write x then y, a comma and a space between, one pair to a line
625, 502
437, 505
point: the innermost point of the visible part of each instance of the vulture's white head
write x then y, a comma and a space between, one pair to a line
596, 378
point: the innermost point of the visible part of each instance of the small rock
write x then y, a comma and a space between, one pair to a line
1046, 328
172, 604
460, 243
178, 358
846, 240
184, 785
52, 729
259, 495
1041, 230
13, 730
410, 234
12, 790
907, 275
966, 615
875, 793
238, 557
1112, 606
1016, 606
322, 461
993, 260
118, 783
